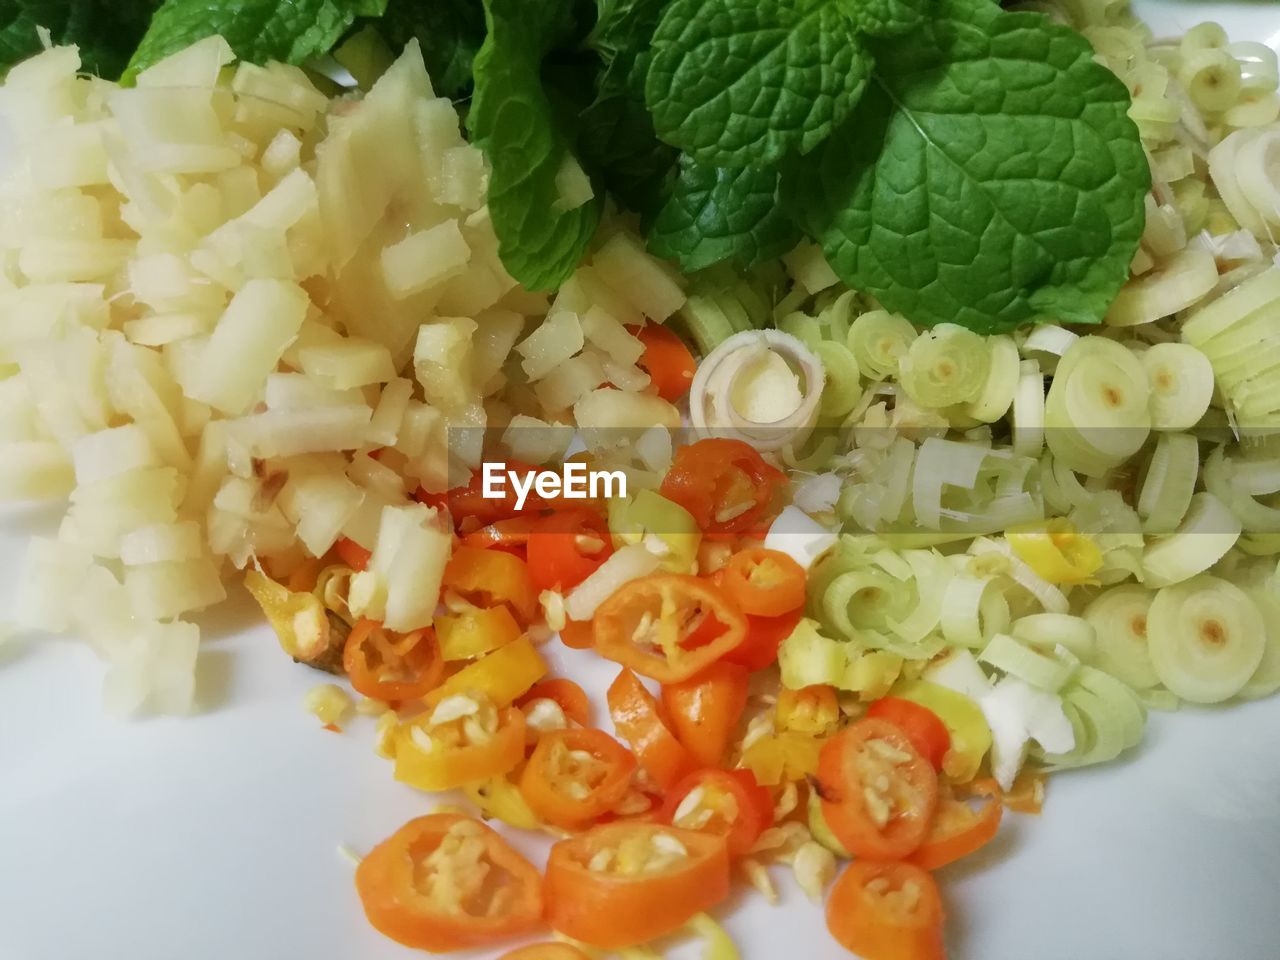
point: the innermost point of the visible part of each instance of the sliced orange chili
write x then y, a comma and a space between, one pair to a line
570, 696
927, 733
958, 829
667, 360
887, 911
389, 666
575, 776
489, 577
492, 893
764, 639
878, 793
625, 883
705, 709
578, 634
638, 721
724, 484
566, 548
510, 533
436, 757
764, 583
545, 951
352, 554
668, 626
728, 802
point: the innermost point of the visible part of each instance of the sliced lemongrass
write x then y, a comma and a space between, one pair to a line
1169, 483
1254, 109
943, 463
1181, 379
1203, 36
1173, 163
1009, 655
1257, 178
1227, 163
1119, 620
1207, 532
879, 340
1206, 638
1174, 285
930, 574
1028, 411
1053, 630
760, 386
1221, 479
1046, 343
1212, 78
945, 365
1164, 233
997, 393
1046, 594
1258, 65
1096, 412
974, 609
843, 388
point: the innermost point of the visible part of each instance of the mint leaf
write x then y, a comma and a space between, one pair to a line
106, 32
719, 213
615, 132
450, 33
513, 121
290, 31
741, 82
886, 18
989, 175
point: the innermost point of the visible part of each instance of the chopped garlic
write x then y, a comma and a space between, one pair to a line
328, 703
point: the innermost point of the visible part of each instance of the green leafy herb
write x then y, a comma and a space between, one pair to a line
887, 18
450, 33
258, 30
106, 32
719, 213
989, 175
513, 121
615, 132
740, 82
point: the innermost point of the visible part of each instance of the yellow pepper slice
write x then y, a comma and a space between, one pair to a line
471, 633
1055, 551
502, 675
674, 531
964, 720
441, 757
781, 757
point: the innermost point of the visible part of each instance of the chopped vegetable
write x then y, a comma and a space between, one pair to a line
878, 793
434, 885
887, 911
575, 776
627, 883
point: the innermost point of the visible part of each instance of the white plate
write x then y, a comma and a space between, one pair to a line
215, 837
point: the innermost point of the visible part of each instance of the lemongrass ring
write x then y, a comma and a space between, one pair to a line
944, 366
1053, 630
721, 388
1206, 638
1028, 411
1206, 533
997, 393
1169, 483
974, 609
1181, 379
1119, 620
1161, 292
879, 340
